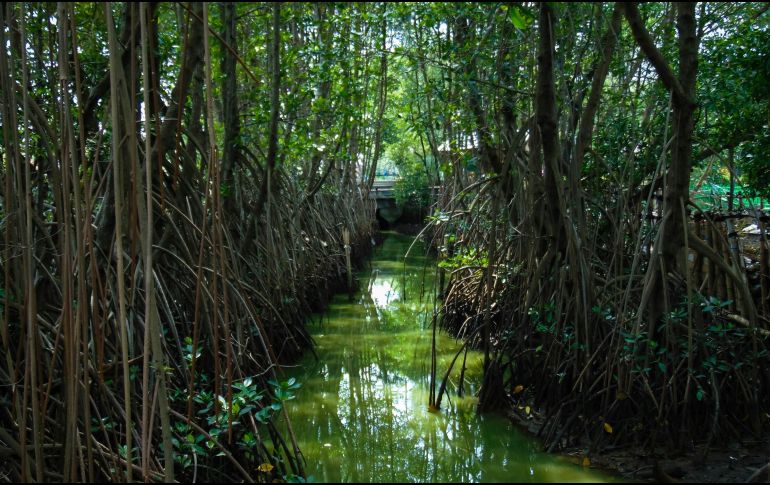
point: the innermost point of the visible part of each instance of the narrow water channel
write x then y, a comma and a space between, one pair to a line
361, 414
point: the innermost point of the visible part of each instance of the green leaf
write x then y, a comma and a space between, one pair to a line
516, 18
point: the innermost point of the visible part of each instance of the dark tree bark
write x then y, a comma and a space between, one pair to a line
231, 152
193, 56
129, 33
547, 124
275, 90
671, 242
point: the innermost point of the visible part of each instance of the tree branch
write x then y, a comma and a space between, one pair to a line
653, 54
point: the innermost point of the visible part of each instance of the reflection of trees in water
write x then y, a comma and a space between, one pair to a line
374, 376
383, 414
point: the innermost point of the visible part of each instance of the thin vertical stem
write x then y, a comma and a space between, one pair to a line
117, 75
71, 333
29, 263
152, 344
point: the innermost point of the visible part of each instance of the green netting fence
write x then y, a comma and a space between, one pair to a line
716, 197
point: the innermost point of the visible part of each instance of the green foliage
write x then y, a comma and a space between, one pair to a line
521, 18
123, 452
412, 189
544, 321
465, 258
284, 390
221, 417
733, 91
723, 343
187, 350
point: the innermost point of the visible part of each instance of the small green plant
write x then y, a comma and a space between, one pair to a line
186, 443
634, 345
104, 423
713, 304
222, 416
123, 452
545, 320
284, 390
465, 258
187, 350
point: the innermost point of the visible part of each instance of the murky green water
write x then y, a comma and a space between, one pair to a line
361, 414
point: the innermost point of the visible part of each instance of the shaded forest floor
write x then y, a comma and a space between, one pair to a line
732, 462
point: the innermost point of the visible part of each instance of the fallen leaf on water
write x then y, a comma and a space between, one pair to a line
608, 428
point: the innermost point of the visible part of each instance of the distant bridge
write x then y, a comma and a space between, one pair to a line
384, 194
387, 208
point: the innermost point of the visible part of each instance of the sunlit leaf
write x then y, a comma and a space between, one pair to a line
608, 428
518, 389
265, 467
516, 18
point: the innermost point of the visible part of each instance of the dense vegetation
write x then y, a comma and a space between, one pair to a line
181, 182
218, 150
602, 294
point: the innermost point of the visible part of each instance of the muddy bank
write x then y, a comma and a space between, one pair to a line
733, 462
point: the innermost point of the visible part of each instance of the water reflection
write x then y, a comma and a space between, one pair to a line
361, 414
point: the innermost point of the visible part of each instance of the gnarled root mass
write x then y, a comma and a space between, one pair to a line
152, 284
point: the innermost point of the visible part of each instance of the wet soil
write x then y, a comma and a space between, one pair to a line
733, 462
